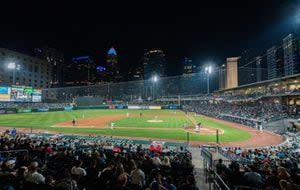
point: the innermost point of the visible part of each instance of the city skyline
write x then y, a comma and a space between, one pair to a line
202, 37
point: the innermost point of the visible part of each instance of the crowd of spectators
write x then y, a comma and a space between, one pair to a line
262, 168
36, 105
248, 113
53, 162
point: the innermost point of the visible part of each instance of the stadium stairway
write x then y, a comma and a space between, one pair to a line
198, 168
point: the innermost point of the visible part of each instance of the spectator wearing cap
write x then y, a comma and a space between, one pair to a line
33, 175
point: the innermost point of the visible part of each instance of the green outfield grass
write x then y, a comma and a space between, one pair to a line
169, 128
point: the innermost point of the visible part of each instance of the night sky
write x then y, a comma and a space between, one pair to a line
205, 32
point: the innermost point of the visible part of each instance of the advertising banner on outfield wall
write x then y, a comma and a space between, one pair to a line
42, 110
138, 107
12, 110
111, 106
68, 108
155, 107
24, 110
120, 106
5, 94
134, 107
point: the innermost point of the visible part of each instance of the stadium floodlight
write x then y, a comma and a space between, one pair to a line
208, 71
13, 66
154, 78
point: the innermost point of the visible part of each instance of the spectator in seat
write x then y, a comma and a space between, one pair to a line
121, 183
77, 170
220, 167
66, 183
7, 174
283, 174
285, 185
166, 162
50, 183
33, 176
253, 178
106, 176
189, 185
137, 178
156, 183
168, 184
156, 160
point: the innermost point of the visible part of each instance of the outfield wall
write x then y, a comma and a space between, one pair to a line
70, 108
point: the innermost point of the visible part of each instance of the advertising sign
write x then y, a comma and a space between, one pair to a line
36, 95
5, 94
24, 110
68, 108
21, 94
155, 107
134, 107
42, 110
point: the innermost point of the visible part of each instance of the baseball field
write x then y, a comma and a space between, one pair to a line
147, 124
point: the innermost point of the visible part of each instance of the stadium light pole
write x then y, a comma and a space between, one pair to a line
208, 71
154, 81
13, 66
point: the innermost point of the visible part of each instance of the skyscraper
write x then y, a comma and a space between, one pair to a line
247, 67
154, 64
136, 72
232, 72
222, 77
113, 69
112, 57
56, 59
81, 71
259, 68
274, 62
291, 55
188, 66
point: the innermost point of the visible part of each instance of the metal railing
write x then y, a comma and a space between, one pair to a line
213, 180
12, 153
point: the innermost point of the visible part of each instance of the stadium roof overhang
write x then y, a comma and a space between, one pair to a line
278, 82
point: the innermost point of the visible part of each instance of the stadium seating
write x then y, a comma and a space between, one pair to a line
55, 162
247, 113
274, 167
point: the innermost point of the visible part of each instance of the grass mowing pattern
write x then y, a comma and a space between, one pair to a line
173, 122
